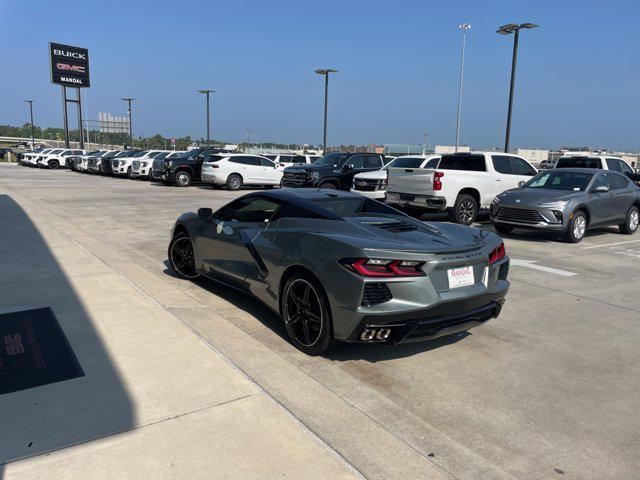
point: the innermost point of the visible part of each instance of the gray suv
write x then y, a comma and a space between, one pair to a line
569, 201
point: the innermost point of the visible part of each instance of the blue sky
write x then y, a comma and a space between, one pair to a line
577, 80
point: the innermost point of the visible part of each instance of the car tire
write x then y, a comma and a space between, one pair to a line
129, 173
504, 229
181, 256
630, 226
464, 210
320, 332
328, 185
234, 182
182, 178
577, 227
54, 165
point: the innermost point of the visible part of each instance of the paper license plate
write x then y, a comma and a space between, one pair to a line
460, 277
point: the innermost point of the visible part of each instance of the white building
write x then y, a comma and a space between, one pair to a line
533, 156
441, 149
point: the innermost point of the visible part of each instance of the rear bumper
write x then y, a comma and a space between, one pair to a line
429, 202
426, 324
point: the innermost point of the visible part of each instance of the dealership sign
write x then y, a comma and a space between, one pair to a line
69, 65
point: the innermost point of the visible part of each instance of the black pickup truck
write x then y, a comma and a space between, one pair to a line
334, 170
183, 169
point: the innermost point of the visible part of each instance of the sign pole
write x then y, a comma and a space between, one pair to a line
80, 120
66, 119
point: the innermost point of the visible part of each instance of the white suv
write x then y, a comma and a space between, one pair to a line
237, 169
374, 184
123, 165
30, 158
288, 160
56, 158
141, 168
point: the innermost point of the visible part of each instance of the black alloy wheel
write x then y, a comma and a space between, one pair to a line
181, 256
306, 315
54, 164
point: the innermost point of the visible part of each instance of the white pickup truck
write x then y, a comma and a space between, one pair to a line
463, 184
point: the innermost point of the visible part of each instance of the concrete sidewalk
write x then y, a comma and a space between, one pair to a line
156, 401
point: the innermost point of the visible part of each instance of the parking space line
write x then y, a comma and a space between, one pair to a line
609, 244
516, 262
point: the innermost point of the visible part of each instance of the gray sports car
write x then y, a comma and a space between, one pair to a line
339, 266
570, 201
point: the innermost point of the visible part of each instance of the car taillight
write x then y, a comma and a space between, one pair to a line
374, 267
497, 254
437, 183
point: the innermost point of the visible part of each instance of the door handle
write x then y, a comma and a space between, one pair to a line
498, 179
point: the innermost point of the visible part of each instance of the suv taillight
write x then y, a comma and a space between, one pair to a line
497, 254
374, 267
437, 183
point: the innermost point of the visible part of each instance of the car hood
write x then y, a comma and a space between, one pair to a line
375, 175
311, 168
534, 196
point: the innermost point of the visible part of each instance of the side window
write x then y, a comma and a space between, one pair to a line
372, 161
266, 162
601, 180
286, 159
521, 167
253, 161
472, 163
502, 164
299, 159
433, 163
249, 210
619, 182
625, 168
356, 161
613, 164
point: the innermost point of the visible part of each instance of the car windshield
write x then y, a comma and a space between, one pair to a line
125, 153
53, 152
187, 154
161, 155
559, 180
140, 154
336, 159
406, 162
94, 152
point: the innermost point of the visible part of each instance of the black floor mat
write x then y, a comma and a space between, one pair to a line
34, 351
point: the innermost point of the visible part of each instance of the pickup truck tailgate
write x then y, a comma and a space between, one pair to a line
410, 180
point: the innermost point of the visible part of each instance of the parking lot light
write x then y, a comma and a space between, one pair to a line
207, 93
325, 72
464, 27
33, 140
129, 100
508, 29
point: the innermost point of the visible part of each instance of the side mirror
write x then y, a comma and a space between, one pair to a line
205, 213
521, 183
347, 167
200, 158
601, 189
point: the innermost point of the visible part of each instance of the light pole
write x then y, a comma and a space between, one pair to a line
464, 27
33, 140
129, 100
508, 30
325, 72
207, 93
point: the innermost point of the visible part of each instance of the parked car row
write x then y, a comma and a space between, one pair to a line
581, 192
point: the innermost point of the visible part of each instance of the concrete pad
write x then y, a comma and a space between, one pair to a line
249, 438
